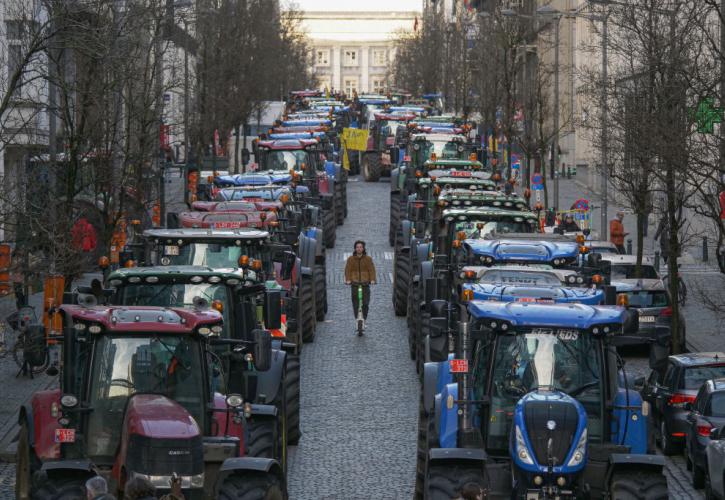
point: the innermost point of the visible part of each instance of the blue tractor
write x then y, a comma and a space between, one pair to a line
530, 407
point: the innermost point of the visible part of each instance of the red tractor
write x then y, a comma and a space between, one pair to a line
143, 393
383, 144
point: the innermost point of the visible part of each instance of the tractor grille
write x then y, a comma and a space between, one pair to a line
536, 416
163, 457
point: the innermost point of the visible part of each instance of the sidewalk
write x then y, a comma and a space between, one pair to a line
18, 390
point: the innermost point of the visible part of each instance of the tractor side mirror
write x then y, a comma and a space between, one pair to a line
262, 350
716, 433
35, 348
245, 156
638, 384
438, 326
688, 406
594, 259
272, 309
659, 350
610, 297
438, 309
631, 322
287, 261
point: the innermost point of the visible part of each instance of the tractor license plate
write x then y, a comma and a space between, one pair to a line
647, 319
227, 225
171, 250
65, 435
459, 173
459, 366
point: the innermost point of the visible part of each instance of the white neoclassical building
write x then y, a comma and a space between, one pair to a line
353, 50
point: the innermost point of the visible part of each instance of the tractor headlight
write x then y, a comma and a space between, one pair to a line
521, 450
95, 329
69, 401
581, 447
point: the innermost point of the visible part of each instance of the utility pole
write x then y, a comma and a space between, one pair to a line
722, 89
605, 138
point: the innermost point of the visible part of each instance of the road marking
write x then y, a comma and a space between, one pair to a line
388, 255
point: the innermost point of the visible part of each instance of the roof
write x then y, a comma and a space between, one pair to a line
452, 163
579, 316
539, 251
473, 212
254, 179
631, 285
535, 293
626, 259
718, 384
698, 358
172, 273
206, 234
288, 144
143, 319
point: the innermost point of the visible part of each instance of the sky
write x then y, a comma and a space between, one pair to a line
352, 5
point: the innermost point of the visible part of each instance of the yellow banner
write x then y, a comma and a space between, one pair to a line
345, 160
355, 139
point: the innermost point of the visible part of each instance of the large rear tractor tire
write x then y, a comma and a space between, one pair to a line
394, 217
320, 292
252, 486
639, 485
61, 488
371, 167
307, 299
292, 393
444, 482
339, 204
263, 433
328, 228
401, 282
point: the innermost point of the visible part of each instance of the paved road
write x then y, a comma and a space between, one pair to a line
359, 395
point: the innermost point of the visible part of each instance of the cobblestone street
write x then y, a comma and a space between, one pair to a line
359, 395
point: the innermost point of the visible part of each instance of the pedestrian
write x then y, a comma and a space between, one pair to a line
360, 270
616, 232
663, 235
97, 489
139, 488
471, 491
568, 225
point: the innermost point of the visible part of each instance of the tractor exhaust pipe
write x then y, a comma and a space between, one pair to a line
469, 437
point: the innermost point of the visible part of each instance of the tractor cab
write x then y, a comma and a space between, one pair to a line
533, 402
140, 395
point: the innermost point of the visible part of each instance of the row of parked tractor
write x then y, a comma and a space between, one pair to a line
515, 335
185, 360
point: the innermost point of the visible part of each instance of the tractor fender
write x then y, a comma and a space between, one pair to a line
327, 201
43, 437
445, 454
627, 407
25, 416
394, 174
426, 269
236, 465
448, 433
430, 381
405, 227
269, 382
306, 271
422, 251
633, 462
64, 468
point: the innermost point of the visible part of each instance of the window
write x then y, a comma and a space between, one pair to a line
15, 55
380, 57
378, 86
322, 57
351, 58
350, 86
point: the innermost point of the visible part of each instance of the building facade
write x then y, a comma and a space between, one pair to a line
352, 51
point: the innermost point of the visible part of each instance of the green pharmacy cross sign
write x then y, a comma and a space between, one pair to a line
707, 115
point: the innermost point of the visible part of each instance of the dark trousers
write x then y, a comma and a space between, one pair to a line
366, 300
621, 249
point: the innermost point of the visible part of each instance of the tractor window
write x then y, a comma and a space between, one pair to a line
563, 360
499, 226
716, 406
123, 366
214, 255
627, 271
176, 295
282, 161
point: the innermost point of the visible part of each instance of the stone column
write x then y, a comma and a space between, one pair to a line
335, 79
364, 69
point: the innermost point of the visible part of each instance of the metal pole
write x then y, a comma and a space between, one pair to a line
556, 114
186, 96
605, 118
722, 89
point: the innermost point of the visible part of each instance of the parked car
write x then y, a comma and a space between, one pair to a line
706, 414
669, 390
715, 459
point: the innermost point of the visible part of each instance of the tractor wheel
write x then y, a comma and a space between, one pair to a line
339, 205
292, 393
62, 488
668, 447
328, 228
394, 217
639, 485
401, 281
280, 402
424, 332
307, 301
446, 481
263, 437
371, 167
344, 197
251, 486
426, 441
294, 328
25, 464
320, 292
698, 476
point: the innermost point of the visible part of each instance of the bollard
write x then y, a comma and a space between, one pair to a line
629, 246
568, 172
704, 248
657, 260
